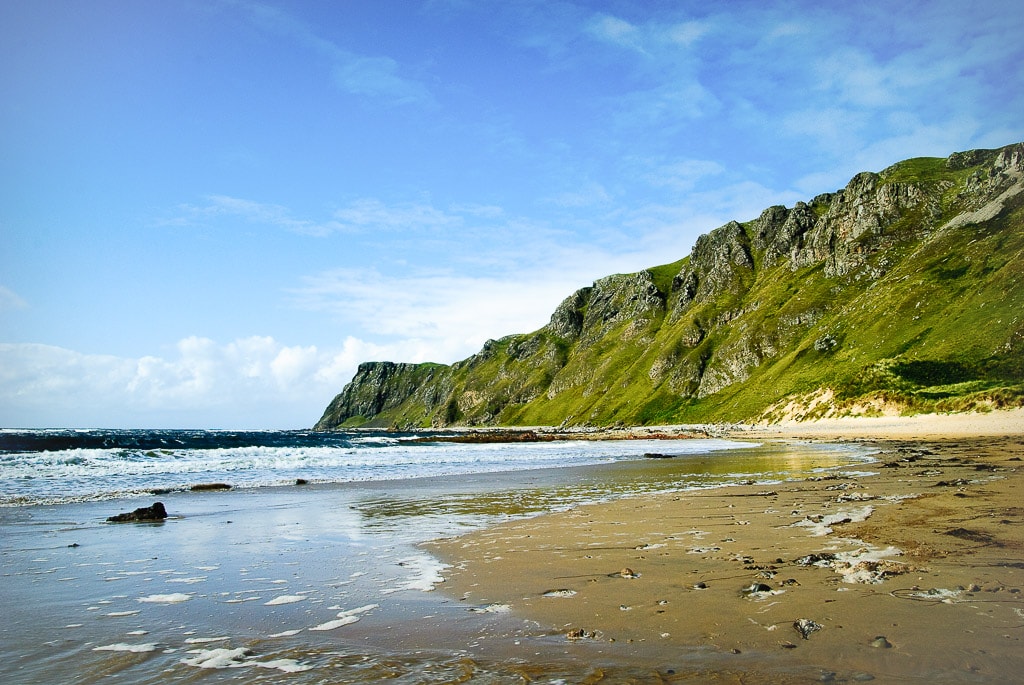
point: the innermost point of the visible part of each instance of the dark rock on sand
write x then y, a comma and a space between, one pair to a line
625, 573
952, 483
581, 634
756, 588
972, 535
202, 487
815, 559
141, 515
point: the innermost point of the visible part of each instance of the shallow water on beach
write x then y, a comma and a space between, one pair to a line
325, 582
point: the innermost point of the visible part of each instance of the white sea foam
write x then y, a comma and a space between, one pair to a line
492, 609
337, 623
204, 640
284, 665
358, 610
823, 525
345, 618
285, 599
426, 572
222, 657
119, 614
236, 658
123, 647
944, 596
868, 565
172, 598
285, 633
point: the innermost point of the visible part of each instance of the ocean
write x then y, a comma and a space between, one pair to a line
54, 466
312, 564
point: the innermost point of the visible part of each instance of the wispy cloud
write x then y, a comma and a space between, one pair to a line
653, 38
667, 64
10, 300
452, 313
374, 214
377, 76
380, 77
253, 212
617, 31
682, 175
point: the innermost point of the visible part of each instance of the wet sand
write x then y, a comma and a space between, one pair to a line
911, 572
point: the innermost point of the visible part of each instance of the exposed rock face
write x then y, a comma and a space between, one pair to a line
380, 386
896, 265
720, 262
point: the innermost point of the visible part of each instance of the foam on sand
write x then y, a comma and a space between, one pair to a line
426, 572
820, 526
493, 609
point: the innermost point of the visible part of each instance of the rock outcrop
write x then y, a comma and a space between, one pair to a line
150, 514
830, 298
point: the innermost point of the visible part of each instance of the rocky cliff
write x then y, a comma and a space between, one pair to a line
900, 291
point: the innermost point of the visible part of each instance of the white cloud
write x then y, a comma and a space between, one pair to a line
258, 213
374, 76
377, 76
590, 194
682, 175
371, 213
617, 31
451, 314
687, 33
10, 300
249, 382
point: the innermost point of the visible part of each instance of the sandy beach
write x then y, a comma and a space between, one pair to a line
911, 571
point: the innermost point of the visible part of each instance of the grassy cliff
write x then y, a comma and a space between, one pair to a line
901, 291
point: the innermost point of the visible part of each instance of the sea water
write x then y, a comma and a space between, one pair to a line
322, 582
53, 466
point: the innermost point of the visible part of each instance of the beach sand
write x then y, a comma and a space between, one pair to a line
912, 571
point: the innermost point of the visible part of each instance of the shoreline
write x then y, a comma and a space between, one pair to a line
912, 572
921, 426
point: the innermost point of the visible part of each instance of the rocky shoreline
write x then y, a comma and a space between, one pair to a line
552, 434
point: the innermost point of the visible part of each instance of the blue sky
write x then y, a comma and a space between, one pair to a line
212, 211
